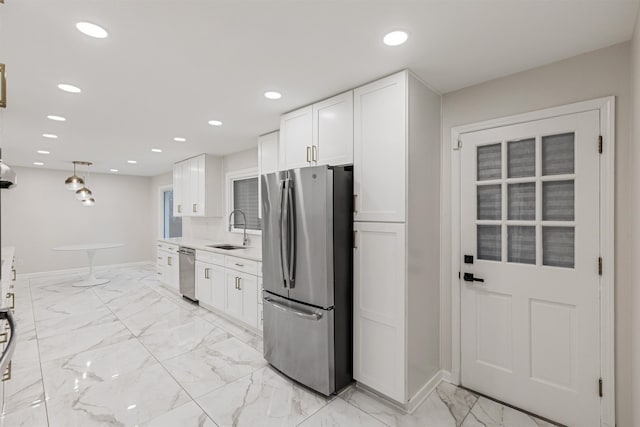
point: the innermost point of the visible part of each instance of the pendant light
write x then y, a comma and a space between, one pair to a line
83, 194
89, 202
74, 182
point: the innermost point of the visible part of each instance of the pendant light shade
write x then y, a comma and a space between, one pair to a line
83, 194
74, 183
89, 202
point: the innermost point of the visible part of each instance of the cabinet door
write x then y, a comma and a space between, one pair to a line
203, 283
379, 308
160, 265
178, 205
185, 167
296, 139
217, 275
198, 185
249, 287
267, 160
333, 131
380, 150
233, 304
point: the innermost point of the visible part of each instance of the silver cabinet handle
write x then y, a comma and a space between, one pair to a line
308, 154
314, 153
355, 235
239, 265
195, 207
355, 203
179, 208
169, 260
283, 307
13, 300
3, 84
15, 275
206, 273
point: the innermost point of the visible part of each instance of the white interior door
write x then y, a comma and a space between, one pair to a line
530, 332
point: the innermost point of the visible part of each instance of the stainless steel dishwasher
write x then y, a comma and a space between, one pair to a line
188, 273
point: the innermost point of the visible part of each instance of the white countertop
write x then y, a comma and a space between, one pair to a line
252, 253
7, 257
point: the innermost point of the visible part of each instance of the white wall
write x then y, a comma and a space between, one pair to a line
635, 199
600, 73
40, 213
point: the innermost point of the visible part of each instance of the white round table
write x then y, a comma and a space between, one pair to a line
90, 249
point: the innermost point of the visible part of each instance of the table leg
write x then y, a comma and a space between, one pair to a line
91, 280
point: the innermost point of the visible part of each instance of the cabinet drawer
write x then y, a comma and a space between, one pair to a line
210, 257
241, 264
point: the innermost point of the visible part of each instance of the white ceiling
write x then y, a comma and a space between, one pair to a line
169, 66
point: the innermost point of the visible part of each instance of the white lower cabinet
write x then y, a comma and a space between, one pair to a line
233, 292
242, 297
168, 265
379, 301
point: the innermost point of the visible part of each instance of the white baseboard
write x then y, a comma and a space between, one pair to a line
414, 402
446, 376
81, 270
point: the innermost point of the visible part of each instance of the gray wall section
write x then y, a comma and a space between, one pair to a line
592, 75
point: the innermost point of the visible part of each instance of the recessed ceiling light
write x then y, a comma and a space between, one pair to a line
156, 150
179, 139
215, 122
57, 118
133, 162
50, 136
395, 38
272, 95
92, 30
69, 88
113, 170
43, 152
38, 163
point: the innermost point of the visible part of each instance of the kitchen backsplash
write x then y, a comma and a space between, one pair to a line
215, 229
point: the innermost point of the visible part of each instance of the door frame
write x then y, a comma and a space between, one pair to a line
606, 108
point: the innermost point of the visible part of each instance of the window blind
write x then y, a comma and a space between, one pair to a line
245, 198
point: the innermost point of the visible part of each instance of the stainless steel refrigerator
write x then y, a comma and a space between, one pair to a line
307, 239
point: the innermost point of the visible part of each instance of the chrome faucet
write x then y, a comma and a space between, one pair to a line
231, 225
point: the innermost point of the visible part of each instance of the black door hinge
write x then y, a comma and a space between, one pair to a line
600, 266
600, 387
600, 144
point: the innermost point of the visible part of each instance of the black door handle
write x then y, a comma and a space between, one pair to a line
468, 277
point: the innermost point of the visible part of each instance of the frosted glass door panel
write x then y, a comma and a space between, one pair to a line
522, 158
489, 162
558, 201
558, 154
490, 202
490, 242
522, 201
558, 246
522, 244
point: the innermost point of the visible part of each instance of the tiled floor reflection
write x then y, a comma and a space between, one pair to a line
133, 353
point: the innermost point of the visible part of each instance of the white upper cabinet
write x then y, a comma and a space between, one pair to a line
320, 134
296, 138
379, 164
333, 131
267, 160
197, 186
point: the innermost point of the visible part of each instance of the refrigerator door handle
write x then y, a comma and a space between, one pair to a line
299, 313
291, 234
283, 230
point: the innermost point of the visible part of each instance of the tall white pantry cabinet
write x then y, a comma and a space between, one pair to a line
397, 237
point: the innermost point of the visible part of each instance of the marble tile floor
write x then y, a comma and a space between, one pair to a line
133, 353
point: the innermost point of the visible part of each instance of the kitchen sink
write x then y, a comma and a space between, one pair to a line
226, 247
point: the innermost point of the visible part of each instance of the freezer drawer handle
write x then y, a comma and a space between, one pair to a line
287, 309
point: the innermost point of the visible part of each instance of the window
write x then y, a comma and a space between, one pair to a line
172, 225
243, 194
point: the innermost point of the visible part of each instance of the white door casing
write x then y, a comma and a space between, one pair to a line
530, 334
